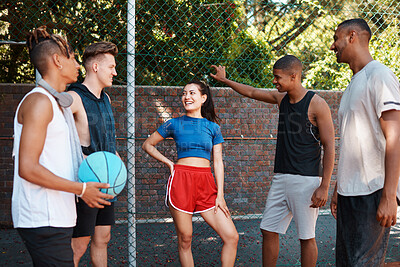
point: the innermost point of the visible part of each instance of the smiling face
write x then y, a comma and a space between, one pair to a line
192, 99
104, 67
340, 43
283, 80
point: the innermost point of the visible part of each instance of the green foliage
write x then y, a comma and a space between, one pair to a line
178, 40
83, 22
322, 72
325, 73
250, 62
385, 47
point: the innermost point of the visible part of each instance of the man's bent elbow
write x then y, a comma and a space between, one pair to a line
26, 172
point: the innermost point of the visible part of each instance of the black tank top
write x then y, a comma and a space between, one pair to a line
298, 149
100, 119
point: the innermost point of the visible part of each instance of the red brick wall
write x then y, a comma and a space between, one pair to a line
248, 126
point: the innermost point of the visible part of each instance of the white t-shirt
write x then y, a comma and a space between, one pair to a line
361, 168
35, 206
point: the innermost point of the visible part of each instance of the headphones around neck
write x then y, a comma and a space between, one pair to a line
63, 99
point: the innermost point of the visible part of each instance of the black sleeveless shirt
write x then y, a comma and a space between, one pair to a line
298, 149
100, 118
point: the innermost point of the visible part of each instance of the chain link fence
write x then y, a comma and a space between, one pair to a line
163, 44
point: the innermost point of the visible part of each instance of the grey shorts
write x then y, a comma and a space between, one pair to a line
360, 239
290, 197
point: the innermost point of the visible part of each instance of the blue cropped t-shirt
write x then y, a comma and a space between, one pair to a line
194, 137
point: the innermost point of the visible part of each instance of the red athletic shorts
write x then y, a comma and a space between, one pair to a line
191, 189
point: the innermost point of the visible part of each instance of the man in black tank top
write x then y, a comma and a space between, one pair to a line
95, 123
305, 124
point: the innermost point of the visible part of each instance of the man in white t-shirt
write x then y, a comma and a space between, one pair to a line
364, 200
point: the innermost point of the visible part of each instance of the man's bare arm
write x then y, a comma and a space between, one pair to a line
387, 209
327, 138
35, 115
269, 96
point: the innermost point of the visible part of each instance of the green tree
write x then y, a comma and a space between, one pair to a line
83, 22
178, 40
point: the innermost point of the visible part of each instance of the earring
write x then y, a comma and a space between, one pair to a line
60, 67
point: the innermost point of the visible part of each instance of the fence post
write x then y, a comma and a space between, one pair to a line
131, 132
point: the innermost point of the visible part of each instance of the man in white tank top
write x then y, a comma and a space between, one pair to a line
43, 201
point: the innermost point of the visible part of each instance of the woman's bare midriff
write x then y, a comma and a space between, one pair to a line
194, 161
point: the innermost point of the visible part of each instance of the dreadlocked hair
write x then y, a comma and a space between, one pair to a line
42, 45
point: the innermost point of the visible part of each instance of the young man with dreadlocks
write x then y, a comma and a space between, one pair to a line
43, 200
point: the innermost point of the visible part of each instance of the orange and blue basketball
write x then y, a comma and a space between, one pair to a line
104, 167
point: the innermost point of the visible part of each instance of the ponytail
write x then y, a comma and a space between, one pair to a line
207, 109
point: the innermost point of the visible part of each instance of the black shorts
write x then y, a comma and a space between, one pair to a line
88, 218
48, 246
360, 239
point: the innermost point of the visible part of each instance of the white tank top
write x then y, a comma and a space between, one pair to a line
35, 206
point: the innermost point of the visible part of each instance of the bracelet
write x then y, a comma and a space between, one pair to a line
83, 190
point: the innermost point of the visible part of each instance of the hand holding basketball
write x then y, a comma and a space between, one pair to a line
93, 197
104, 167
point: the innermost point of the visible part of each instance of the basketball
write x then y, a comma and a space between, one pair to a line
104, 167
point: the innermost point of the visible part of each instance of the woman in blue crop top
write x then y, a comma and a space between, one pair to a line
191, 187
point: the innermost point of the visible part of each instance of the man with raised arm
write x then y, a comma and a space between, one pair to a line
297, 191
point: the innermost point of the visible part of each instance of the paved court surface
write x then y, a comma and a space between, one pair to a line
156, 243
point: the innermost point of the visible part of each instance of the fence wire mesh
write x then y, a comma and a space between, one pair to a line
174, 42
